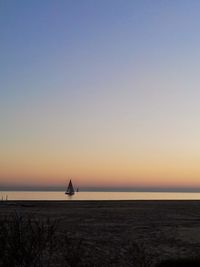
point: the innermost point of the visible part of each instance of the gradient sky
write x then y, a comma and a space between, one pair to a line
106, 92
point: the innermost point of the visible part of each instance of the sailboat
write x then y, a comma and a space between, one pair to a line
70, 189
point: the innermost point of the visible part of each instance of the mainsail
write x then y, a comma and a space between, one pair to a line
70, 189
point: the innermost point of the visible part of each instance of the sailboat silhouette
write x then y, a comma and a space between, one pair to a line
70, 189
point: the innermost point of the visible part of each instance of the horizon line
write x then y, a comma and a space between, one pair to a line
103, 188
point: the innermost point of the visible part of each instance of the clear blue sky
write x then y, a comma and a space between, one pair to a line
98, 90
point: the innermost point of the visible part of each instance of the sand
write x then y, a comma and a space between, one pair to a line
162, 229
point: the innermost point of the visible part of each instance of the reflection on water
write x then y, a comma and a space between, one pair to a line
34, 195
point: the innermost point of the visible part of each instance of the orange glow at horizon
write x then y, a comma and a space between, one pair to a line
108, 159
43, 171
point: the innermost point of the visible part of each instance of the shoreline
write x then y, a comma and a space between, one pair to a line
103, 200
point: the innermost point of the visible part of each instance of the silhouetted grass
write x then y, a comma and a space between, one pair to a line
26, 241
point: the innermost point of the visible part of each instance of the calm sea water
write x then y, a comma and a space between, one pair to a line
35, 195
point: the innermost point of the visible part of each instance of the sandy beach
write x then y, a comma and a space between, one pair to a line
108, 229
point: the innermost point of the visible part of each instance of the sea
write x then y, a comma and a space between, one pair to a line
60, 195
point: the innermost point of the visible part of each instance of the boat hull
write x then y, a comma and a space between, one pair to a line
70, 194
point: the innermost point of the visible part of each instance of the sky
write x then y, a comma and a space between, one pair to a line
105, 92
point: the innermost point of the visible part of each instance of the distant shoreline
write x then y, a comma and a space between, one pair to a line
101, 189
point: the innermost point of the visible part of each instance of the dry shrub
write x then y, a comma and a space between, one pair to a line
26, 241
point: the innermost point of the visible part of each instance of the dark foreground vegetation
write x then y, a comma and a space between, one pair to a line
32, 242
29, 242
117, 234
